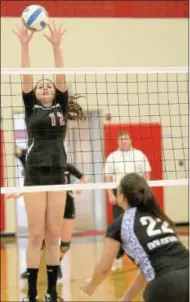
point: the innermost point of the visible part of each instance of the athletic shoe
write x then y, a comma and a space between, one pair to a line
24, 275
27, 299
53, 298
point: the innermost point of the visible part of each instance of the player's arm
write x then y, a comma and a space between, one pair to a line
111, 249
74, 171
147, 176
25, 37
111, 196
21, 154
109, 170
135, 288
145, 167
147, 171
55, 39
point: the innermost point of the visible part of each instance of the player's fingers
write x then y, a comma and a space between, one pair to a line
83, 295
25, 29
19, 195
78, 191
18, 30
63, 31
60, 27
50, 28
54, 26
15, 195
31, 34
47, 37
16, 33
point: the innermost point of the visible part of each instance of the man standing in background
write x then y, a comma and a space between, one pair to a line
125, 159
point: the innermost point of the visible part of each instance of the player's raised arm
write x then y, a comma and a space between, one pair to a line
55, 39
25, 37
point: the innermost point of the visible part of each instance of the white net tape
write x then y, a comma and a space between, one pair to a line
93, 71
89, 186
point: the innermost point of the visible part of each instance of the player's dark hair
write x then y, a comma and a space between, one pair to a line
75, 111
138, 193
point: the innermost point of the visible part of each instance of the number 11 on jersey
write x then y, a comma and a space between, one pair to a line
53, 119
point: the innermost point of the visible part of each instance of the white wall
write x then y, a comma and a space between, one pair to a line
106, 42
111, 42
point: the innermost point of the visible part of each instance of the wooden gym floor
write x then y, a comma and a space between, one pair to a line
76, 266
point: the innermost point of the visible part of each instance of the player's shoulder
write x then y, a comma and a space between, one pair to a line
114, 228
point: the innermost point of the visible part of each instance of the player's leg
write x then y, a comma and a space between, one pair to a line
66, 228
35, 204
54, 217
67, 225
24, 275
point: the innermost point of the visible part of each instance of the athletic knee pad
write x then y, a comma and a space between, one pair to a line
64, 247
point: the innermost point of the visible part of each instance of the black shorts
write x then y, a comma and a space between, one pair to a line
170, 287
69, 207
41, 176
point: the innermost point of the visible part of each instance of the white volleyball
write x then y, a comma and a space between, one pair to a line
35, 17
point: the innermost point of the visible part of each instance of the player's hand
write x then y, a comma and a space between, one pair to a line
112, 199
14, 195
87, 289
23, 34
78, 191
56, 34
83, 180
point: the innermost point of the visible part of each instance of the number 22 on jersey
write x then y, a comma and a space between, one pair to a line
152, 226
53, 119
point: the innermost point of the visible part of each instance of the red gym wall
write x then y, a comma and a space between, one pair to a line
147, 138
103, 9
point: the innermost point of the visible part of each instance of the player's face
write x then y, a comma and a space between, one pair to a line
124, 142
45, 92
121, 199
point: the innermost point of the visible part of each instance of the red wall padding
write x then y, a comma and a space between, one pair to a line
2, 197
147, 138
103, 8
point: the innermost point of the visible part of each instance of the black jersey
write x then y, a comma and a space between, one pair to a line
46, 127
150, 242
69, 168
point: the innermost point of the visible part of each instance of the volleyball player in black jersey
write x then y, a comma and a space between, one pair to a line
46, 114
148, 238
69, 214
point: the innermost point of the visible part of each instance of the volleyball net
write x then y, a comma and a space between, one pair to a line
150, 103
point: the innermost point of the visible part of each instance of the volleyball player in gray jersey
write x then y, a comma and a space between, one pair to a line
148, 237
